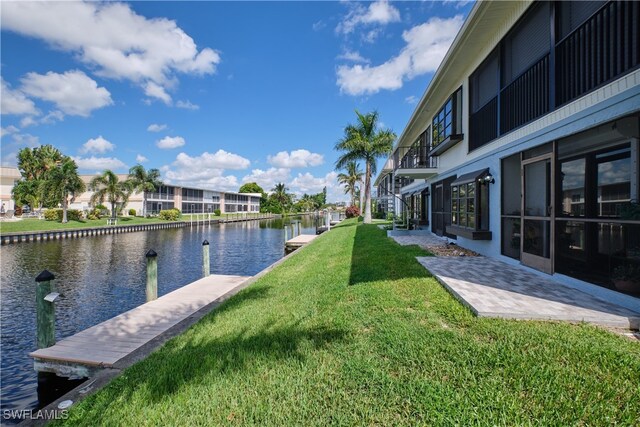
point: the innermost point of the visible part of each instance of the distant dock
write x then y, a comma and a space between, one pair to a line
109, 343
298, 242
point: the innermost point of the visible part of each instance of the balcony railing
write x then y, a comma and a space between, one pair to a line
526, 98
603, 48
159, 196
484, 124
417, 157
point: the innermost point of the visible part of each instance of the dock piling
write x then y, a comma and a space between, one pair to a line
45, 310
206, 260
152, 275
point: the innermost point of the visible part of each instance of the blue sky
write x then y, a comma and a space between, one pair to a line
214, 94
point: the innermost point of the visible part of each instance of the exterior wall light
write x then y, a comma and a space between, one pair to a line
487, 180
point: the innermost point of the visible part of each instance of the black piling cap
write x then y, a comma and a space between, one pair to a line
205, 243
45, 276
151, 254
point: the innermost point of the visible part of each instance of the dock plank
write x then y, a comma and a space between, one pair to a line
110, 341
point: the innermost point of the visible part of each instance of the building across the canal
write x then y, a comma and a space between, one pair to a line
187, 199
525, 145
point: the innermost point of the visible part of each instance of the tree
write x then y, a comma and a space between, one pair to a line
63, 181
35, 165
280, 196
364, 141
251, 187
307, 202
144, 181
350, 179
108, 186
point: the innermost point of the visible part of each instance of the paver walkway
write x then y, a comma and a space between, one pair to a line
491, 288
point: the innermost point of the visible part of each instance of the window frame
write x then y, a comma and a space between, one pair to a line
468, 204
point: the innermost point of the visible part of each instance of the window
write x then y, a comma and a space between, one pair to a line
529, 41
447, 124
470, 206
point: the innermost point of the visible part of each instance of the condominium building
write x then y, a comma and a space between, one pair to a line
187, 199
525, 144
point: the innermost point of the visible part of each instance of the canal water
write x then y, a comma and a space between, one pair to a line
103, 276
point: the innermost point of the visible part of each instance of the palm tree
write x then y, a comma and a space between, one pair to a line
364, 141
108, 186
280, 195
144, 181
351, 179
307, 201
63, 182
35, 165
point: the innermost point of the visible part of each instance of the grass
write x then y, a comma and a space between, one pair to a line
353, 330
34, 224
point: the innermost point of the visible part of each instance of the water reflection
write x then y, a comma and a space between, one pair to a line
103, 276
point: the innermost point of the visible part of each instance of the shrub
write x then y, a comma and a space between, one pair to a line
102, 210
132, 212
217, 212
56, 215
169, 214
379, 215
352, 211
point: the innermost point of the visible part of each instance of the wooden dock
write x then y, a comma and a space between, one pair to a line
298, 241
103, 345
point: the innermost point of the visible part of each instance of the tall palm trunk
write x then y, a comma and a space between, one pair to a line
367, 195
64, 209
361, 198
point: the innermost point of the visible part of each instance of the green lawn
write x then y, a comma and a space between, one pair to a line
34, 224
353, 331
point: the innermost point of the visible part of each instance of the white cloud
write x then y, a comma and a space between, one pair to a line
267, 179
50, 118
97, 145
317, 26
13, 101
297, 159
206, 170
25, 139
27, 121
113, 40
141, 159
307, 183
8, 130
411, 99
187, 105
352, 56
154, 90
219, 160
99, 163
154, 127
426, 46
169, 142
73, 92
379, 12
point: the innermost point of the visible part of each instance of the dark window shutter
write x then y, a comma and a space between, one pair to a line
527, 43
573, 13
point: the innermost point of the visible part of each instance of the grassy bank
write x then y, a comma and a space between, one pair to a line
353, 330
34, 224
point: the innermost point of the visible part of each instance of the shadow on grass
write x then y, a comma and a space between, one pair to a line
247, 294
200, 359
375, 257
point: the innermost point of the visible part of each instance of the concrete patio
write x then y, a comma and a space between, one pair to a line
491, 288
